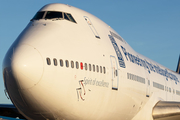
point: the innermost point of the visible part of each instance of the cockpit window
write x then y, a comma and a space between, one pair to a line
71, 18
39, 15
65, 16
51, 15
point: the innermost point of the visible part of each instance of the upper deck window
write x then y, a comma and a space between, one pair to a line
53, 15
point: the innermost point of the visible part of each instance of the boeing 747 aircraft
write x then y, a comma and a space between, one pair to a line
69, 65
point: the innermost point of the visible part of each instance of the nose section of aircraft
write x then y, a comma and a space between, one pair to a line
22, 70
27, 66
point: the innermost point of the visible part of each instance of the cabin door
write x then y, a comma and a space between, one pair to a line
148, 82
148, 88
91, 27
168, 89
114, 69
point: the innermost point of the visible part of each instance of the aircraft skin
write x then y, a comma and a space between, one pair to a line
122, 84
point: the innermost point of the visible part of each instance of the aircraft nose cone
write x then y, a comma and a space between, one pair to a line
27, 66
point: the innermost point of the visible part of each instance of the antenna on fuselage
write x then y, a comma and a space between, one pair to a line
178, 66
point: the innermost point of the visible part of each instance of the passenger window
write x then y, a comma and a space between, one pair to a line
67, 63
77, 65
55, 62
116, 72
85, 66
148, 82
104, 70
93, 68
97, 67
53, 14
48, 61
100, 69
72, 64
89, 67
61, 62
81, 65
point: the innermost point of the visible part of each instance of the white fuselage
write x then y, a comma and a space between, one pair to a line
100, 75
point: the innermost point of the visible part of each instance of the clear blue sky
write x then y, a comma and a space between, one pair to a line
151, 27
